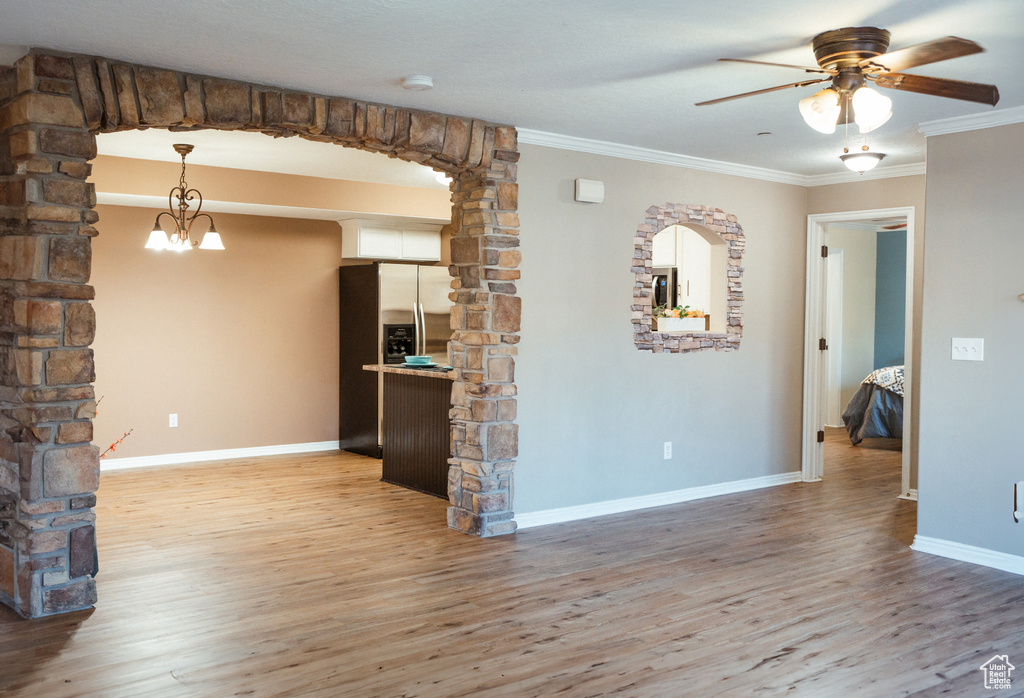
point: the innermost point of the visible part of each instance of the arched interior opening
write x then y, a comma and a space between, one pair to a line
694, 260
52, 107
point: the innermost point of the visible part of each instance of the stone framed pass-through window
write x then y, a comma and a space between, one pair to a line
696, 252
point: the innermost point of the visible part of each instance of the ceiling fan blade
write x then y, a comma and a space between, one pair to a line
779, 65
940, 87
761, 92
922, 54
894, 227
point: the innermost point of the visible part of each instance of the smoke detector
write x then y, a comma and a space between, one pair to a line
418, 83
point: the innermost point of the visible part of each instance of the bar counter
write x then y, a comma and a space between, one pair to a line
416, 431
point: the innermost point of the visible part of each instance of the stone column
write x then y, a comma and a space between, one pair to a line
485, 325
48, 468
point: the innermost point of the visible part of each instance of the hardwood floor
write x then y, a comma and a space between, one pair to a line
304, 575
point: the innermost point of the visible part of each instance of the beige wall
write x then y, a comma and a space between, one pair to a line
858, 345
889, 193
241, 344
594, 411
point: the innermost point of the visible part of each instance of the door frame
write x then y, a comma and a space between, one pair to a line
815, 367
834, 318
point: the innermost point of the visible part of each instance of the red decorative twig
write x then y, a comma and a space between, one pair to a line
113, 447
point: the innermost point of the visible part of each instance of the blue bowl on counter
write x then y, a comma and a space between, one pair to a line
418, 359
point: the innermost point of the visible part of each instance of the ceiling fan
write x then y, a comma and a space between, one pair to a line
853, 56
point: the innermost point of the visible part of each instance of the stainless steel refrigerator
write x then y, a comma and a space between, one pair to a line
376, 298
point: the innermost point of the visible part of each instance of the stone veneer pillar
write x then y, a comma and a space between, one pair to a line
48, 468
51, 107
485, 324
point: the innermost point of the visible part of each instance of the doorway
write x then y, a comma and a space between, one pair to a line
817, 338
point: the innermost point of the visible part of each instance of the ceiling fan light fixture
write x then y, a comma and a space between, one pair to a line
871, 109
861, 162
821, 110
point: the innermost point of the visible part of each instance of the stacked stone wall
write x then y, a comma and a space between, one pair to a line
729, 230
51, 107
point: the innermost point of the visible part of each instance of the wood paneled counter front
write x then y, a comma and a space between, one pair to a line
416, 430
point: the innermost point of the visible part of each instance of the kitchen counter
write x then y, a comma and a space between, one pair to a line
415, 428
400, 369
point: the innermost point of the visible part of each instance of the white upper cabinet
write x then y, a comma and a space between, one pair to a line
663, 248
364, 239
694, 271
421, 244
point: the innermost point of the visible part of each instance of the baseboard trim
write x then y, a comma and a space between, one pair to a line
618, 506
969, 553
108, 464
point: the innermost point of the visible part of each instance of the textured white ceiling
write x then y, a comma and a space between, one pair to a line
610, 70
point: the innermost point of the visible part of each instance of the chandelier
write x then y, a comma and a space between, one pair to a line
182, 239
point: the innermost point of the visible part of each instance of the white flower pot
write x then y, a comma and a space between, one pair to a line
679, 324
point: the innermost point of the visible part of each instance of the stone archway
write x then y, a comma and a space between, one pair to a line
51, 107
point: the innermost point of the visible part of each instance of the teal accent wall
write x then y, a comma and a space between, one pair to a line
890, 297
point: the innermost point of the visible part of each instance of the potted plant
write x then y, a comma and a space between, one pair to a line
679, 319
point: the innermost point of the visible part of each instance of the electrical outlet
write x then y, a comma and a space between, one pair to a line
172, 420
668, 450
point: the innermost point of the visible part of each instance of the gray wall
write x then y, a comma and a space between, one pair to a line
971, 447
890, 297
593, 410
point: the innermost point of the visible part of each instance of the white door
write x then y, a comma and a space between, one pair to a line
834, 336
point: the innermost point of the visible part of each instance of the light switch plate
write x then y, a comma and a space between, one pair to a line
968, 349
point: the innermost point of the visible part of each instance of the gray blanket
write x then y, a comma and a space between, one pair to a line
874, 413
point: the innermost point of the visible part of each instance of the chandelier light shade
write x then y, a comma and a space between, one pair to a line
862, 161
182, 238
821, 110
871, 109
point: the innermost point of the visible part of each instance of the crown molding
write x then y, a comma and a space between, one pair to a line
661, 157
914, 168
972, 122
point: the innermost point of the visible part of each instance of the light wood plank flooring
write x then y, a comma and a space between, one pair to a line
305, 576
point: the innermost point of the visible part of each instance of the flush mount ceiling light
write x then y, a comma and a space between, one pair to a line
851, 56
418, 83
181, 239
862, 161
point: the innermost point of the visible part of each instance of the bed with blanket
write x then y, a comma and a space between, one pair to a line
876, 410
